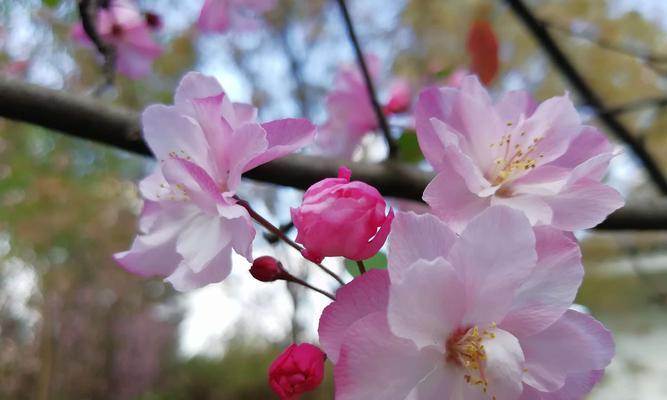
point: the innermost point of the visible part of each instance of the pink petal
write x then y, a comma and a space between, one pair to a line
433, 103
415, 237
552, 286
451, 200
589, 143
376, 243
154, 251
576, 387
284, 137
427, 304
245, 113
243, 234
136, 51
190, 182
201, 241
440, 383
168, 134
184, 278
195, 85
364, 295
374, 364
576, 343
514, 104
248, 143
583, 205
214, 16
494, 256
534, 207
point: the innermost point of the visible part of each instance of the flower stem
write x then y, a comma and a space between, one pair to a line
362, 267
280, 234
301, 282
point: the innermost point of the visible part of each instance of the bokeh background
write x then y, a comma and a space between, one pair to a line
75, 326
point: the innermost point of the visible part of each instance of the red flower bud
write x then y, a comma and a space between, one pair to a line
298, 369
267, 269
153, 20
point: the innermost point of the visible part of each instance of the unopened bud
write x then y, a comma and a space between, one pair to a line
153, 20
268, 269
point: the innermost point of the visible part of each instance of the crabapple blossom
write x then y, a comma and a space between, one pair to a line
341, 218
536, 158
191, 220
300, 368
122, 26
351, 115
483, 315
222, 15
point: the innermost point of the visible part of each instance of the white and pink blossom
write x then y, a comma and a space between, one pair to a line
191, 221
222, 15
483, 315
536, 158
122, 26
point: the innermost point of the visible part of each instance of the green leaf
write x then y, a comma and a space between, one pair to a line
378, 261
51, 3
408, 147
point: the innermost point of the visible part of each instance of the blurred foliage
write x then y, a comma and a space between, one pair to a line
75, 326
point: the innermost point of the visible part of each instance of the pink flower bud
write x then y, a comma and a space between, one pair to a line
400, 98
341, 218
298, 369
267, 269
153, 20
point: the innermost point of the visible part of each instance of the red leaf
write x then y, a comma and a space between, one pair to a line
482, 46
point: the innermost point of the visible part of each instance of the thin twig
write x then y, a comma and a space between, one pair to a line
382, 119
586, 92
276, 231
362, 267
88, 12
301, 282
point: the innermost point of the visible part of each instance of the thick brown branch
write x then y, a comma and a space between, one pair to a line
587, 94
91, 119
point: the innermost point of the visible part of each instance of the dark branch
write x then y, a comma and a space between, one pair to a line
91, 119
382, 119
586, 93
653, 102
88, 12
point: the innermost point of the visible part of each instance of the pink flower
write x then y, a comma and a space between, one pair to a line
480, 316
122, 26
351, 115
204, 142
341, 218
300, 368
536, 158
222, 15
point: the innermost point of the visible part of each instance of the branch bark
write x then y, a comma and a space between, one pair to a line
587, 94
94, 120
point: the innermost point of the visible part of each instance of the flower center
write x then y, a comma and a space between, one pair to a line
514, 157
465, 349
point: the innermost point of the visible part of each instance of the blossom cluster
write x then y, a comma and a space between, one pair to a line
475, 302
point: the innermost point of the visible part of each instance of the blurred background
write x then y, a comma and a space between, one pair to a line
75, 326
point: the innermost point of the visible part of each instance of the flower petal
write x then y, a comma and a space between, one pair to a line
576, 387
370, 351
576, 343
415, 237
494, 256
184, 278
427, 304
195, 85
552, 286
364, 295
284, 136
200, 242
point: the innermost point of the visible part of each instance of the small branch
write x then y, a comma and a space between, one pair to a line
309, 286
601, 42
382, 119
91, 119
586, 93
88, 12
276, 231
284, 228
362, 267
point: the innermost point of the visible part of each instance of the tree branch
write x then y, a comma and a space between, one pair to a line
586, 93
382, 119
94, 120
88, 12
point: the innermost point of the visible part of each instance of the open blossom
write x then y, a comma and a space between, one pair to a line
191, 221
341, 218
536, 158
300, 368
122, 26
483, 315
351, 115
222, 15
